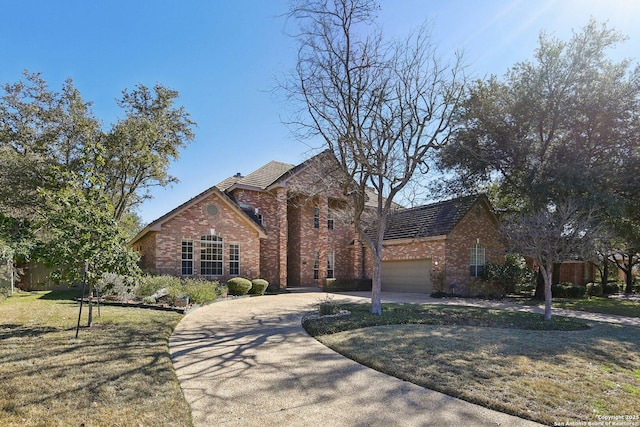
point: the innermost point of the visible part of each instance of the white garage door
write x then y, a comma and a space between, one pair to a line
407, 276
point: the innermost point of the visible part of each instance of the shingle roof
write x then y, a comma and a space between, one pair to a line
435, 219
260, 178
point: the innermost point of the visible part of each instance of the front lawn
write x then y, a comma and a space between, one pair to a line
618, 307
566, 371
117, 373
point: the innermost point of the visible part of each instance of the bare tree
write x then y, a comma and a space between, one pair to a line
560, 232
380, 107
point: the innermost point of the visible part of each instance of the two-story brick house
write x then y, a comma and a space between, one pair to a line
279, 224
261, 225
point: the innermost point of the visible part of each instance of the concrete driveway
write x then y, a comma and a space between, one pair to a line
249, 362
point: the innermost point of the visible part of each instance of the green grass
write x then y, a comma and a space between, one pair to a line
117, 373
428, 314
619, 307
551, 372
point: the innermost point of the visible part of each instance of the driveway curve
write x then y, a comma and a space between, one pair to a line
249, 362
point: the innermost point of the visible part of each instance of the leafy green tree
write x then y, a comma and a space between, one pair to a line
80, 228
624, 220
140, 147
68, 183
41, 129
554, 128
551, 133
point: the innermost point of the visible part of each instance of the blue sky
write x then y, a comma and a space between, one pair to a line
223, 58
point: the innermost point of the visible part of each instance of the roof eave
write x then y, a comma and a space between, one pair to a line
392, 242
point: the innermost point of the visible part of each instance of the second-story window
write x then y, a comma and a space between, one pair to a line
330, 220
316, 217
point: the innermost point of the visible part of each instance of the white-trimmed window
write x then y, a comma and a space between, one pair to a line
316, 217
187, 258
211, 256
330, 264
234, 259
330, 220
316, 265
476, 264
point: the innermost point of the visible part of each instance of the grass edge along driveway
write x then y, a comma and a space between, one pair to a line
561, 372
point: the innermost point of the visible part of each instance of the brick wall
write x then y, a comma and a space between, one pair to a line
146, 247
310, 188
578, 273
432, 248
194, 222
267, 204
476, 226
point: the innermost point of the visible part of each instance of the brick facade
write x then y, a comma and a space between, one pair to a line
450, 254
284, 254
477, 227
293, 227
212, 215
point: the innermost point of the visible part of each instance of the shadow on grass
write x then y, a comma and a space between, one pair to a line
62, 294
129, 364
8, 331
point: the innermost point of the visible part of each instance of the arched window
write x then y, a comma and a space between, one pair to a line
211, 259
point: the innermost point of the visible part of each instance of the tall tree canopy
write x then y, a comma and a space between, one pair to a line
556, 131
381, 107
61, 170
140, 147
554, 127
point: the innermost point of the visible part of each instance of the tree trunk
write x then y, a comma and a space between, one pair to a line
604, 274
539, 293
628, 278
376, 283
90, 298
547, 274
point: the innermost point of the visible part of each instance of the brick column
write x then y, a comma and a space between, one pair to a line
323, 237
281, 201
357, 268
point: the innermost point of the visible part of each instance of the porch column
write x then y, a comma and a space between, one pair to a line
357, 267
323, 237
283, 228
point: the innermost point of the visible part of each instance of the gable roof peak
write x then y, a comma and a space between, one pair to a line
261, 178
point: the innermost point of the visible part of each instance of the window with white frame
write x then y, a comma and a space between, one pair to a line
211, 256
330, 264
234, 259
316, 217
187, 258
476, 264
330, 220
316, 265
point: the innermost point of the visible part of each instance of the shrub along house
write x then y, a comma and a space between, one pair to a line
269, 224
